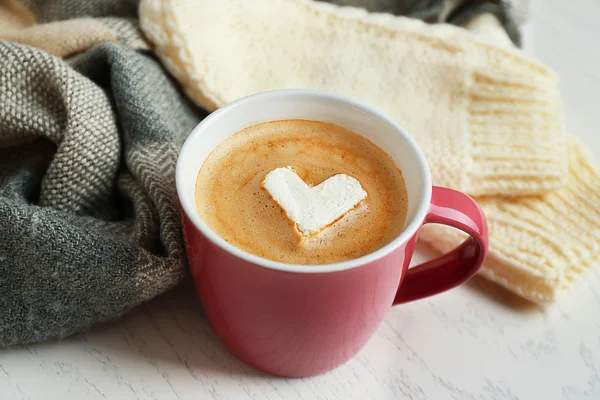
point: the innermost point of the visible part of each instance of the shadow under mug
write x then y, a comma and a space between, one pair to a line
302, 320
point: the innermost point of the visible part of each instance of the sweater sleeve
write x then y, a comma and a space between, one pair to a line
539, 244
489, 119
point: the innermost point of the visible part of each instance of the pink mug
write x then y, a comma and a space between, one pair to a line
301, 320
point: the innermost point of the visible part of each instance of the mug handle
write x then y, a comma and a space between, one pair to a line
455, 209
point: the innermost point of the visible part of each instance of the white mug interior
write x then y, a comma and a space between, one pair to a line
315, 106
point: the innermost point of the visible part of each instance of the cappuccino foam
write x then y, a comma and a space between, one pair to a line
231, 199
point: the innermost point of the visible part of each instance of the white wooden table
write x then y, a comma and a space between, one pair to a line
476, 342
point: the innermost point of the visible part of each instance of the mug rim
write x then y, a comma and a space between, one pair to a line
188, 206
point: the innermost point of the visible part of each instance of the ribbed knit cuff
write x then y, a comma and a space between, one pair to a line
515, 124
539, 244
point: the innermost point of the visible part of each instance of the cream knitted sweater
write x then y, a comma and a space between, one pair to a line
488, 118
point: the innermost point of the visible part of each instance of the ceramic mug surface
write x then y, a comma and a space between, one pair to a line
299, 320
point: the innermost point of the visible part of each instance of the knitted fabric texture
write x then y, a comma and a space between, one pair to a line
487, 117
489, 120
539, 244
89, 220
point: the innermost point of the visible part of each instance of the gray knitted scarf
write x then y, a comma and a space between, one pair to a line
89, 224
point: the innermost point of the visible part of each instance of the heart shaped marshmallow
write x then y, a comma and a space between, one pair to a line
313, 208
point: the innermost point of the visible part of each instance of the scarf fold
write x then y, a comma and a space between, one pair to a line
89, 223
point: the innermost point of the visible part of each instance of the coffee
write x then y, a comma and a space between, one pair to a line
231, 199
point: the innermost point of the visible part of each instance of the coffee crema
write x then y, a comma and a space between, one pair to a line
230, 198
